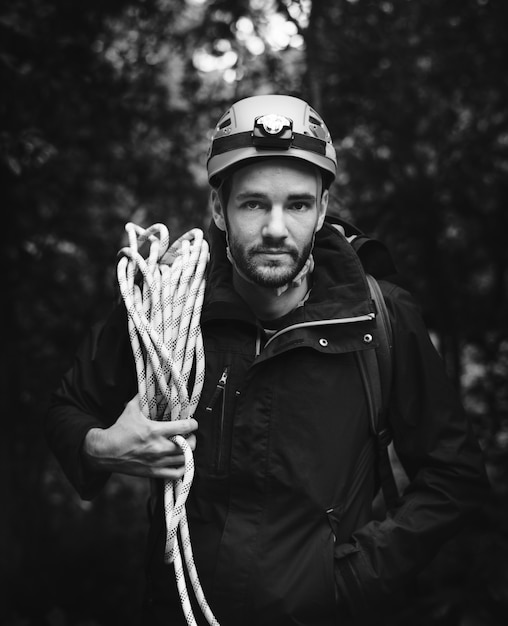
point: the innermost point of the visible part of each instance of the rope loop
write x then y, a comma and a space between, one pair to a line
163, 286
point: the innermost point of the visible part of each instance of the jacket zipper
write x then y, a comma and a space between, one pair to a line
258, 342
220, 392
342, 320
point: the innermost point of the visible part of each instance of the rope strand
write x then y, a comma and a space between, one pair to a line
163, 320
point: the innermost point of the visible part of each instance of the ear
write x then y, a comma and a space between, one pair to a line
217, 211
323, 206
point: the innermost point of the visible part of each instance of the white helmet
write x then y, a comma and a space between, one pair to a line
270, 126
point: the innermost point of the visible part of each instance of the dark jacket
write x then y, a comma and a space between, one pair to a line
280, 511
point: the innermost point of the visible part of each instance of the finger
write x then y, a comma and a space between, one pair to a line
172, 447
167, 460
172, 453
178, 427
174, 461
190, 440
168, 473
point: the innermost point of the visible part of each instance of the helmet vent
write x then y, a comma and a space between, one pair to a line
314, 120
225, 123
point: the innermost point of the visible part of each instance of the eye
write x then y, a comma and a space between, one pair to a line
300, 205
251, 205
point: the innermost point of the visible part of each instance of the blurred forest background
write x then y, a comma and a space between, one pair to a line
105, 113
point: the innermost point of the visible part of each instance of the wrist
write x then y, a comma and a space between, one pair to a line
93, 449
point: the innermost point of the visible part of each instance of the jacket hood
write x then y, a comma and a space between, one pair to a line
339, 287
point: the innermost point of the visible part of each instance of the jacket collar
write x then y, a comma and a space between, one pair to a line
339, 288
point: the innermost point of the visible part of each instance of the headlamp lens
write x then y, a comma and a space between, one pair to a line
272, 131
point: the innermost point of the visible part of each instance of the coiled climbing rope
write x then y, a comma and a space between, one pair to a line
163, 295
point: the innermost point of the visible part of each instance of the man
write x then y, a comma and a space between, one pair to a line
280, 511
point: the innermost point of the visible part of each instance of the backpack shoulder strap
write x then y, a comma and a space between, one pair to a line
377, 368
384, 350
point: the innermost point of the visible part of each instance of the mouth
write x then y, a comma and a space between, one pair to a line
273, 252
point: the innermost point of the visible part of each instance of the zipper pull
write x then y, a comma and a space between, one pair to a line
219, 389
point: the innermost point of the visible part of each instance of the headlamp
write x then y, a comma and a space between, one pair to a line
272, 131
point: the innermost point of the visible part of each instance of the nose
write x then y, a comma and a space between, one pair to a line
275, 225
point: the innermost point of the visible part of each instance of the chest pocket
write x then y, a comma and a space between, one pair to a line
216, 410
215, 415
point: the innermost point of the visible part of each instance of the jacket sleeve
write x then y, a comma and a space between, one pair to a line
436, 446
92, 394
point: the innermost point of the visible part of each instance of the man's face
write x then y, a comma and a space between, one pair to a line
274, 209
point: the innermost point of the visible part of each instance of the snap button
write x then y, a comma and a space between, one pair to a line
323, 342
367, 338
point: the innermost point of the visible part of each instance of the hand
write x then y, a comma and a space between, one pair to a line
138, 446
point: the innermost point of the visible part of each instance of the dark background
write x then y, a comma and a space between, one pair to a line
105, 111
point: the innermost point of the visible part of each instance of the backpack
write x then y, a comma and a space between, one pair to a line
376, 366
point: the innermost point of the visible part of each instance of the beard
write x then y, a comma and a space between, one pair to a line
269, 272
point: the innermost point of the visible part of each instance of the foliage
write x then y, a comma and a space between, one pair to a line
105, 117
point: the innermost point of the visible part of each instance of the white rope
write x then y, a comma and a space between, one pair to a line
163, 315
